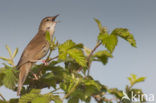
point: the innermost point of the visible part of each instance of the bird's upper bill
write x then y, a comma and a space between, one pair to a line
54, 17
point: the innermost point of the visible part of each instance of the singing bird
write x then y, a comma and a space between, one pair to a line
37, 48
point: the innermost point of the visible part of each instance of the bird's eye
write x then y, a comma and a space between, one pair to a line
47, 20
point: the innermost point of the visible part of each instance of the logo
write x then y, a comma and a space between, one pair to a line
125, 96
139, 97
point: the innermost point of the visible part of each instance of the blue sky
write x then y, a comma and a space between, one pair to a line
19, 22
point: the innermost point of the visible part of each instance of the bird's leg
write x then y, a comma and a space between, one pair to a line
43, 61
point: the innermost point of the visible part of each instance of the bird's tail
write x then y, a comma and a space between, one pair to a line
24, 70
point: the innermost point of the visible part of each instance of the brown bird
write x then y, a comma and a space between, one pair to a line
37, 48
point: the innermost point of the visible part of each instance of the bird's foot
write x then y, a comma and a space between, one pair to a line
45, 62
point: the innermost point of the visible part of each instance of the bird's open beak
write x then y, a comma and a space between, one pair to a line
55, 17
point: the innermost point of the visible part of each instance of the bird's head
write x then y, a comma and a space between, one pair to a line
48, 23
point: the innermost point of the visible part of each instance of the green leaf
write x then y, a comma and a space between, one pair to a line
103, 53
9, 50
99, 24
5, 59
63, 48
9, 79
111, 42
48, 37
133, 79
42, 99
1, 101
80, 46
73, 50
73, 100
56, 99
101, 28
30, 96
78, 56
103, 37
102, 56
141, 79
125, 34
1, 77
13, 100
15, 52
92, 83
116, 92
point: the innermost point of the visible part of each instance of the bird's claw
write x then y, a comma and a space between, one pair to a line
45, 62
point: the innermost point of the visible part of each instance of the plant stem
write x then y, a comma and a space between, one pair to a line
2, 97
55, 90
49, 55
90, 55
50, 59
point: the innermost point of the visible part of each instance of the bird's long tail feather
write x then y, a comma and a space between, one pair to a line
24, 70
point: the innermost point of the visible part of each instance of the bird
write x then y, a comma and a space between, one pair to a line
36, 49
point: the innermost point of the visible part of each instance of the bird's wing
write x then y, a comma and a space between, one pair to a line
35, 50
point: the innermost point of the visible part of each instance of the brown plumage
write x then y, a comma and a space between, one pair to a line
36, 49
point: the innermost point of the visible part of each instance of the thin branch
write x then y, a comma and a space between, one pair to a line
89, 57
50, 59
43, 64
55, 90
2, 97
97, 45
49, 55
58, 93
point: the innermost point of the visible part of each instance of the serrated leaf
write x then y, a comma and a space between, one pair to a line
125, 34
30, 96
103, 37
103, 53
79, 46
101, 28
73, 50
48, 37
13, 100
42, 99
63, 48
111, 42
92, 83
78, 56
9, 50
89, 91
9, 79
56, 99
73, 100
1, 77
15, 53
116, 92
102, 56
